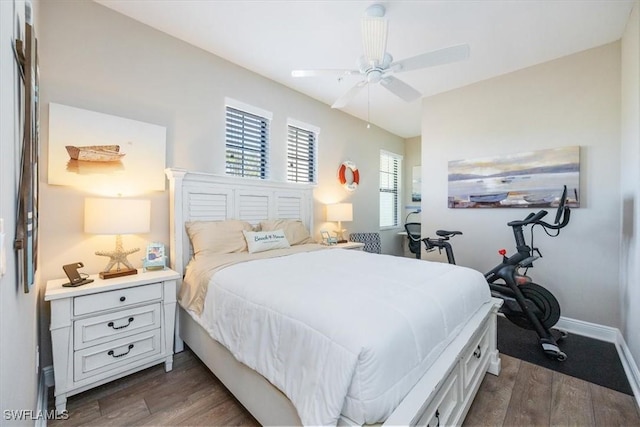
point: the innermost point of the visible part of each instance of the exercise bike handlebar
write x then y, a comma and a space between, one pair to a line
563, 213
565, 220
530, 219
535, 218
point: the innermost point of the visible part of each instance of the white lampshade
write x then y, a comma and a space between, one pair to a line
116, 216
340, 212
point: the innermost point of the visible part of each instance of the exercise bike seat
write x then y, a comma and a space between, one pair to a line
446, 234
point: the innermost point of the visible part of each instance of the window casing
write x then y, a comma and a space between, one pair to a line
302, 141
390, 187
247, 143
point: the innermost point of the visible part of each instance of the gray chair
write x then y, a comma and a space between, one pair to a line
371, 241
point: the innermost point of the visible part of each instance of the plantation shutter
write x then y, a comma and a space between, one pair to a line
301, 155
389, 189
247, 143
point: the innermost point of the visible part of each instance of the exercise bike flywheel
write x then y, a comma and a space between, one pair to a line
546, 307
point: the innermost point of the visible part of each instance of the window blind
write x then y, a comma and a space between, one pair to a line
247, 142
389, 189
301, 155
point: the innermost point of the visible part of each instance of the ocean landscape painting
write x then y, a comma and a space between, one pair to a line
522, 180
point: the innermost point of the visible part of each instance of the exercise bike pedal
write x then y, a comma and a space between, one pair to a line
552, 351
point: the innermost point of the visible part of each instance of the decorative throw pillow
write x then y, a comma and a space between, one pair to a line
294, 229
217, 237
260, 241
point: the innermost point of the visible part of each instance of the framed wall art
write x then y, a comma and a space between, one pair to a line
104, 153
522, 180
416, 184
26, 241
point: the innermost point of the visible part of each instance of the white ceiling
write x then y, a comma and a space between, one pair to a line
272, 38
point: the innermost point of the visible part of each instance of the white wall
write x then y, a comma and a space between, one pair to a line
574, 100
630, 179
18, 311
97, 59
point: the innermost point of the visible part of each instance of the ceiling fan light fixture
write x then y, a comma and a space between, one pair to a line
374, 76
374, 36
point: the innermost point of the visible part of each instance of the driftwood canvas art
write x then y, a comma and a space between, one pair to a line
104, 153
25, 48
522, 180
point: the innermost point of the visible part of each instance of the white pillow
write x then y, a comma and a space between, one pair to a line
260, 241
294, 229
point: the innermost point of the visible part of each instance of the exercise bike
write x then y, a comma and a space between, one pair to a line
526, 304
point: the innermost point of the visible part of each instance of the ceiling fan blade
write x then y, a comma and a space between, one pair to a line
328, 72
351, 93
431, 59
400, 88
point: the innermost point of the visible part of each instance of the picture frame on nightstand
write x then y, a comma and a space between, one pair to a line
155, 258
327, 239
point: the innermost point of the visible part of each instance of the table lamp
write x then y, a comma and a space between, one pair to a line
117, 216
340, 212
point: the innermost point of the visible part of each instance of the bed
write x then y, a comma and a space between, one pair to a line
290, 360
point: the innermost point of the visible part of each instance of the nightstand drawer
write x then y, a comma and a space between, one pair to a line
116, 356
96, 330
115, 299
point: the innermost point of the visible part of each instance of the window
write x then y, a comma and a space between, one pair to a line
389, 189
302, 141
247, 141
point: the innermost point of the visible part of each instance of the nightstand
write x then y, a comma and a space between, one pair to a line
349, 245
111, 328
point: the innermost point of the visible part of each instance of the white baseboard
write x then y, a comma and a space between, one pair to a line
45, 381
48, 376
608, 334
587, 329
629, 365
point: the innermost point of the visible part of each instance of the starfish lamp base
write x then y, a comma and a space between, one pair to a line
117, 273
118, 257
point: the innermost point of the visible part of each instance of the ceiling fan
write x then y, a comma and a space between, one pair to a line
377, 66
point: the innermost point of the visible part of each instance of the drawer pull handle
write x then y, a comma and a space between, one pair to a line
478, 352
110, 324
120, 355
122, 299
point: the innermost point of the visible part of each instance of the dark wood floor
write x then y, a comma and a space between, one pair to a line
523, 395
529, 395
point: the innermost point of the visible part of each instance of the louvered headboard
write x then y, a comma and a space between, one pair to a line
206, 197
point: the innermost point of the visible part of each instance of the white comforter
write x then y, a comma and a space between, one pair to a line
341, 331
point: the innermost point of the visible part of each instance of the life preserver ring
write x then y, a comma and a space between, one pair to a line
342, 175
